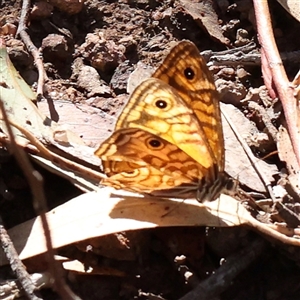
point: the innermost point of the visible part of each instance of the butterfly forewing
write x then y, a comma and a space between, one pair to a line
185, 70
157, 108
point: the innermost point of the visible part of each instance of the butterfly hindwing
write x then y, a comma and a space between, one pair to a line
133, 156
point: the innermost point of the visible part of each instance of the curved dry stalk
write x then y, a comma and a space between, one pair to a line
272, 66
37, 55
35, 181
17, 266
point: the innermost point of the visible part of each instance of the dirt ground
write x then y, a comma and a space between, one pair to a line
88, 57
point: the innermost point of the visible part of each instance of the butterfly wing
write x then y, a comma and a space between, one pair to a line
156, 107
185, 70
140, 161
179, 108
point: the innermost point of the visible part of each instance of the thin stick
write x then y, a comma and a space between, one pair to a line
283, 87
37, 55
35, 182
17, 266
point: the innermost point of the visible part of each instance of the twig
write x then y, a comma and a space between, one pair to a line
17, 265
37, 55
271, 129
239, 57
272, 62
11, 289
35, 181
291, 218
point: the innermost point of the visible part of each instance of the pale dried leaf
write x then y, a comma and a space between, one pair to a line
204, 14
17, 98
292, 7
90, 123
97, 214
140, 73
237, 163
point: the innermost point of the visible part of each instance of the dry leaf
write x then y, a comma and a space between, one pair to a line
204, 14
292, 7
18, 100
91, 124
237, 163
97, 214
140, 73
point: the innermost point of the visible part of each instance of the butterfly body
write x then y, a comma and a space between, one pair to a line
168, 139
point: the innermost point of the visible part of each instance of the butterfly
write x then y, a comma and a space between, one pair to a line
168, 140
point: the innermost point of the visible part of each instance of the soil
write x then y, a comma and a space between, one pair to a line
89, 55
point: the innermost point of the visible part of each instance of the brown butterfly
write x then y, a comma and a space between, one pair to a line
168, 140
